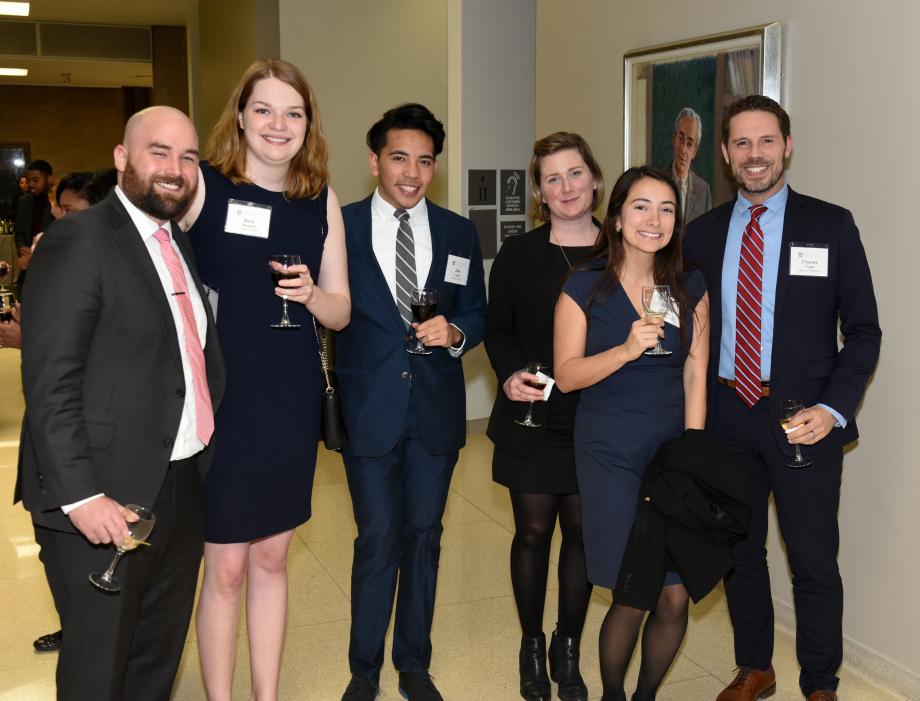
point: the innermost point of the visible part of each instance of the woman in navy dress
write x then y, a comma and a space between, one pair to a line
630, 403
264, 191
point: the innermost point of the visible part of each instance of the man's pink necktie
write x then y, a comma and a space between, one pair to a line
748, 310
204, 414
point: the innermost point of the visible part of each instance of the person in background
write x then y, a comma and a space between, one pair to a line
263, 191
631, 402
33, 214
788, 275
405, 413
695, 195
537, 464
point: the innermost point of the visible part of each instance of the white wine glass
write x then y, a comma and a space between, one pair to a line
787, 409
656, 301
539, 369
139, 531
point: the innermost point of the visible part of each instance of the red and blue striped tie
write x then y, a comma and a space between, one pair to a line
748, 310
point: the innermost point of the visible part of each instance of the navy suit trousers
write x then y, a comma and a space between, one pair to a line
806, 507
398, 502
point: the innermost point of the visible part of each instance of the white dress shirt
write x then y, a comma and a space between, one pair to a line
384, 227
187, 443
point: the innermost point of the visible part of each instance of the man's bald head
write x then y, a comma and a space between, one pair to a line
157, 161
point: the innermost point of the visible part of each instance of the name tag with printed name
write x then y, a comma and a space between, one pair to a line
808, 259
457, 271
248, 218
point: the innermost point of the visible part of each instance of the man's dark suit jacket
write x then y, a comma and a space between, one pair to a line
806, 362
101, 367
692, 509
25, 221
378, 378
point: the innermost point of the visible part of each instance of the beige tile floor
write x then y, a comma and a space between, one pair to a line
475, 634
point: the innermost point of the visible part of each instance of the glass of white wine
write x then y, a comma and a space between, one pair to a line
656, 301
139, 531
787, 409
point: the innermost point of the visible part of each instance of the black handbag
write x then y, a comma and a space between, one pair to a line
332, 424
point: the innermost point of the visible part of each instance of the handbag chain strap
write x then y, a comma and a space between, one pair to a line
322, 343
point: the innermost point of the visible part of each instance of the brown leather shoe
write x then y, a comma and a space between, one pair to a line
822, 695
749, 685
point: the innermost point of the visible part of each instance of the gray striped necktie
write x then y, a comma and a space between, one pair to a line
406, 278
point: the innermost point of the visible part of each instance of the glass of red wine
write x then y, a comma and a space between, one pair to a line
4, 271
539, 369
279, 264
424, 303
6, 306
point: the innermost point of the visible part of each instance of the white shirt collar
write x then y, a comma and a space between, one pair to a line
384, 210
144, 224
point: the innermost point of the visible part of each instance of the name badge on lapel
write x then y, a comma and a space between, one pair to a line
808, 259
248, 218
458, 270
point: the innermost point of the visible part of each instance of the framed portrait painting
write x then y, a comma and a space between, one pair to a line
696, 78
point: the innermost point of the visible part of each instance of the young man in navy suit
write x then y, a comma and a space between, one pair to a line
405, 413
782, 269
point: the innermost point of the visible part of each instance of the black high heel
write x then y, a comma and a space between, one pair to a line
563, 667
532, 663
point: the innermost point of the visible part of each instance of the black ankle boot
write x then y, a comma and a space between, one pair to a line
563, 668
532, 660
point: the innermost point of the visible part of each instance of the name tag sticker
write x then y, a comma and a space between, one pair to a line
458, 270
248, 218
808, 259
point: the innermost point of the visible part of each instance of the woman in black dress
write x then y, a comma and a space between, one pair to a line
538, 464
264, 191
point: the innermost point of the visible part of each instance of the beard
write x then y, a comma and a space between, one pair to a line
757, 187
144, 195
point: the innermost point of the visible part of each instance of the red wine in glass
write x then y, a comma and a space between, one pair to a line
424, 303
278, 265
535, 384
534, 367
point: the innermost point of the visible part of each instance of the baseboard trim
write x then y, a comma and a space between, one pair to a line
858, 658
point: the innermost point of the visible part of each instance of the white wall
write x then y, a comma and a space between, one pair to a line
497, 107
851, 90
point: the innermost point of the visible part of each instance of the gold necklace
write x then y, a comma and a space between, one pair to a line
552, 235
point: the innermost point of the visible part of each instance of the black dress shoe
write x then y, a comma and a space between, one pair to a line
48, 643
360, 689
418, 686
563, 667
532, 664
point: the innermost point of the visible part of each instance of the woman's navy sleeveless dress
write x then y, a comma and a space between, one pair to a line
622, 420
267, 426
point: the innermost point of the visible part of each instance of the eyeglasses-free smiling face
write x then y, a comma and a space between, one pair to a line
405, 167
274, 125
756, 153
646, 221
566, 184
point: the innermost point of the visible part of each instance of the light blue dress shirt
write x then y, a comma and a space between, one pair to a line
771, 223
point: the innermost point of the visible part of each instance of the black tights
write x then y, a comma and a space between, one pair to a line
661, 638
534, 523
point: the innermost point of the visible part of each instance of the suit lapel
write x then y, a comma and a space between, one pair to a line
790, 233
438, 228
128, 240
363, 242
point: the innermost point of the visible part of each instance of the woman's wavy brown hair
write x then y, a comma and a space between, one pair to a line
226, 150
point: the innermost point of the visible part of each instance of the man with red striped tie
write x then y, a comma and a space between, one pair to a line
783, 269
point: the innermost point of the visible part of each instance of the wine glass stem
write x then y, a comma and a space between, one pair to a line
111, 571
798, 453
529, 417
284, 315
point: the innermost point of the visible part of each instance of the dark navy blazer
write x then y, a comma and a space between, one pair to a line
806, 362
379, 380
